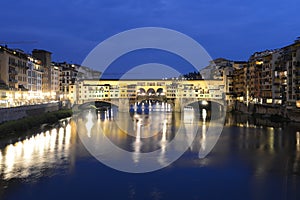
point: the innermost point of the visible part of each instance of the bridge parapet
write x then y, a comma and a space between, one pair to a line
177, 104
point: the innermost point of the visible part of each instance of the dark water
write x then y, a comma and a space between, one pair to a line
254, 158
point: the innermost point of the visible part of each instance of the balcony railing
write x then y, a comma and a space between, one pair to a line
13, 72
13, 80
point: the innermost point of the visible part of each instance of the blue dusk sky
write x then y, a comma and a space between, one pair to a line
232, 29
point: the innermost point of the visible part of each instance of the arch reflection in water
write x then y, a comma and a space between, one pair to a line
151, 123
126, 140
35, 154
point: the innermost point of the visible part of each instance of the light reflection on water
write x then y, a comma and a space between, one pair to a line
36, 153
156, 133
252, 157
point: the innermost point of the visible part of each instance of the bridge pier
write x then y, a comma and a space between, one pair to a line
123, 105
177, 105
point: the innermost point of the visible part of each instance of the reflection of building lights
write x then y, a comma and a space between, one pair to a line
0, 161
163, 144
202, 141
269, 101
271, 139
298, 140
9, 159
60, 137
29, 156
204, 114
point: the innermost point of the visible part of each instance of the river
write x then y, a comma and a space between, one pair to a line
253, 158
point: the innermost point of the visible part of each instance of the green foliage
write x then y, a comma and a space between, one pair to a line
20, 126
192, 76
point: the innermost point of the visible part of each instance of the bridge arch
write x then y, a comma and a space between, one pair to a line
141, 91
95, 104
214, 108
210, 104
160, 91
150, 92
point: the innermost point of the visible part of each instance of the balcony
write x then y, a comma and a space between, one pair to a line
13, 80
296, 63
277, 91
278, 68
13, 72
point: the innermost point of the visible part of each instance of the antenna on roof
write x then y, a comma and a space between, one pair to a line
17, 42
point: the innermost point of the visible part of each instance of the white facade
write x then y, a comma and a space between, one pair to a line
34, 78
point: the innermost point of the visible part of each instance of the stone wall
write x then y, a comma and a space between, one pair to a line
259, 109
291, 114
8, 114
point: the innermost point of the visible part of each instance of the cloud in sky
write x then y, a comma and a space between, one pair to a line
70, 29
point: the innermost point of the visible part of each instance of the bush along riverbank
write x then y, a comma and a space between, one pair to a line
21, 126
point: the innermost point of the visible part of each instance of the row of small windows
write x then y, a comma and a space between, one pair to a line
22, 78
103, 96
191, 95
90, 96
34, 81
20, 63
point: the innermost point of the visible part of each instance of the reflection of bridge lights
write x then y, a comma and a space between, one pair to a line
188, 116
204, 103
204, 114
137, 143
89, 124
202, 142
164, 136
138, 132
163, 143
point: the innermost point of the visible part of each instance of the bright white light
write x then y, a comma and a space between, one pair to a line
89, 124
298, 141
204, 114
204, 103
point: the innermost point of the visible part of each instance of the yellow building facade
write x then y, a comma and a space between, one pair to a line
93, 90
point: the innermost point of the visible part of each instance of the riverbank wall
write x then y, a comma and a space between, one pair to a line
292, 114
15, 113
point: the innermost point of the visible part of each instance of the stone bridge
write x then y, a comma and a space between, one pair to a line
177, 104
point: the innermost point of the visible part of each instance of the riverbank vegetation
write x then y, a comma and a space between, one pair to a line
19, 127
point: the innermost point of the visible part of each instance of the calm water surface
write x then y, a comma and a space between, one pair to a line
253, 159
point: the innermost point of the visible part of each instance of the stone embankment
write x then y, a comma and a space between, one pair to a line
268, 110
9, 114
